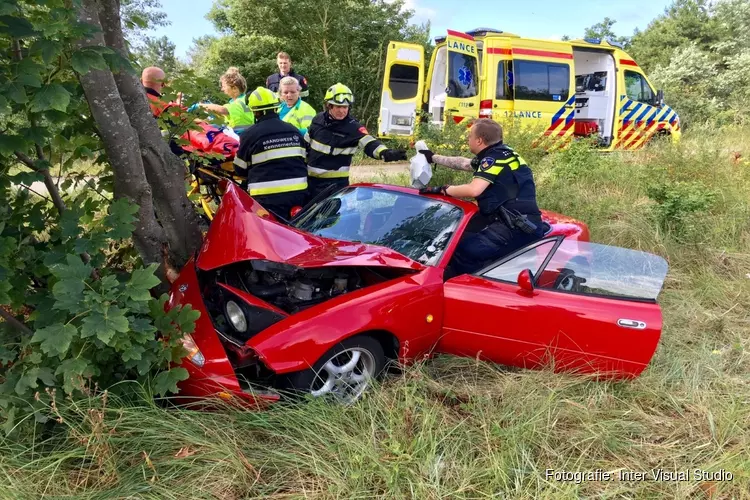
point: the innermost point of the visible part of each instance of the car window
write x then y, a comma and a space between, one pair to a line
531, 259
504, 81
462, 75
637, 88
403, 81
541, 81
596, 269
415, 226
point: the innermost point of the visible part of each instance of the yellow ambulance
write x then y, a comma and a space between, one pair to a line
568, 88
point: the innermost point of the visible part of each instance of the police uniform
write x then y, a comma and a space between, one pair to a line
331, 147
273, 155
273, 81
511, 186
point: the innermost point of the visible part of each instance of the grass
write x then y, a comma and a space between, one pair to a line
458, 428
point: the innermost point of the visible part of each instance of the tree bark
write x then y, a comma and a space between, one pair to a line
121, 145
164, 170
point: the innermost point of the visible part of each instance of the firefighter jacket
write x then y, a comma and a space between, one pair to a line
332, 144
273, 155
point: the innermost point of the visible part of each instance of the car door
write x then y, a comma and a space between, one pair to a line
462, 77
590, 308
403, 86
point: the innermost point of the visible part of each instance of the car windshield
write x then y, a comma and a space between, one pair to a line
415, 226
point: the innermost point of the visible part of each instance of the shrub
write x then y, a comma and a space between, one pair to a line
678, 204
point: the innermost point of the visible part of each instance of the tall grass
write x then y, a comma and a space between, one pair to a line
458, 428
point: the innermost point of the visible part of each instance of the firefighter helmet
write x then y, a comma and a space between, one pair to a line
339, 95
263, 99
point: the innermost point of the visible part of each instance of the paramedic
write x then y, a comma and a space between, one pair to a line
332, 139
272, 153
236, 113
503, 186
293, 109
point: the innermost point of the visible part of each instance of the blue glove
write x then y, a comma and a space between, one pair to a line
194, 107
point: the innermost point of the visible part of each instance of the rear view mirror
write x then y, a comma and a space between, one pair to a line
525, 281
660, 98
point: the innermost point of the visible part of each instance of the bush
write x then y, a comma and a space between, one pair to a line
679, 205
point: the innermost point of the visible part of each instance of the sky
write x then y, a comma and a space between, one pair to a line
549, 19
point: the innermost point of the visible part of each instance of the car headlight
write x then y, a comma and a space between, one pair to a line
236, 316
194, 354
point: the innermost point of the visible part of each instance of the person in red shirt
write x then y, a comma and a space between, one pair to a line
152, 79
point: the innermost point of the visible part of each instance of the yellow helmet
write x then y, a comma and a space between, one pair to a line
263, 99
339, 94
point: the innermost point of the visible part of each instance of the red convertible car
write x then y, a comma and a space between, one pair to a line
320, 305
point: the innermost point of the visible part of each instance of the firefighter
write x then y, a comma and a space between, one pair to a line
284, 62
503, 186
293, 109
332, 139
272, 154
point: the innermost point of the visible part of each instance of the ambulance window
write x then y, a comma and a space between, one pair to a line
462, 75
503, 88
403, 81
541, 81
637, 88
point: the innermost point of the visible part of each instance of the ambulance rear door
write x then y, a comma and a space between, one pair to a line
462, 77
403, 86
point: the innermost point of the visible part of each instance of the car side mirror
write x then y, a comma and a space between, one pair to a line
525, 281
660, 98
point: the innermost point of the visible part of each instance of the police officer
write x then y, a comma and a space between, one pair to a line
284, 62
334, 136
502, 180
272, 154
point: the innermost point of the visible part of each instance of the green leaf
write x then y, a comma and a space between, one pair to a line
55, 339
46, 48
105, 326
16, 27
144, 329
69, 224
72, 369
27, 178
117, 63
166, 382
141, 282
52, 96
27, 381
6, 355
29, 80
187, 318
16, 93
47, 376
133, 353
4, 106
10, 421
8, 7
86, 59
75, 269
10, 143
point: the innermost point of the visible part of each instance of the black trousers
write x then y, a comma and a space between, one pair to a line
282, 203
316, 184
489, 244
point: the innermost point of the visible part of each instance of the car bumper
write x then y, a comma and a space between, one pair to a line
216, 378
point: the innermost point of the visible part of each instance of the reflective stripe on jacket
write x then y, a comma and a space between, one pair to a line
300, 115
240, 115
331, 145
272, 153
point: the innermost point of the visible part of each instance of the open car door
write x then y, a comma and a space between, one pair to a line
586, 307
462, 77
403, 85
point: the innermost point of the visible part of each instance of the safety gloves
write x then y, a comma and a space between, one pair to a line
427, 154
393, 155
434, 190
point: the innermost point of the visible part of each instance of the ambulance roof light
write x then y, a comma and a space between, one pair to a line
483, 31
615, 44
595, 41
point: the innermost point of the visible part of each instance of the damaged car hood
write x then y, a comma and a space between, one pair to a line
242, 230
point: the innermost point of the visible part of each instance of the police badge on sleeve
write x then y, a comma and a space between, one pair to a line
486, 163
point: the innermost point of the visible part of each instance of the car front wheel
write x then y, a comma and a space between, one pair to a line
344, 372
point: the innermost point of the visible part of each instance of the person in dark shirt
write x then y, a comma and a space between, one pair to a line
284, 62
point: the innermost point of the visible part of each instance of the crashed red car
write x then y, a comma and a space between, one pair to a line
322, 304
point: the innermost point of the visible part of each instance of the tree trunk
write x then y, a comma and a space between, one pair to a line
121, 145
164, 170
